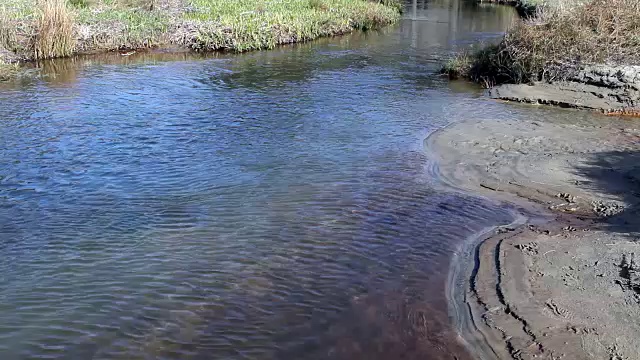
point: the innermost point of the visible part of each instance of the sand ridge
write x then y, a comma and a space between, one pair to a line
560, 284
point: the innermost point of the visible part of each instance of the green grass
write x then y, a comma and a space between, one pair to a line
18, 9
201, 25
458, 66
243, 25
121, 27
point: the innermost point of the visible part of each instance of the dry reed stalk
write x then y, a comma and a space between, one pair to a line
559, 41
7, 33
54, 30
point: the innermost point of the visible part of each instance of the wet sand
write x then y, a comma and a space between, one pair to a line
560, 282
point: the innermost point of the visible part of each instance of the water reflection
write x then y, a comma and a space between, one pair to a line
445, 23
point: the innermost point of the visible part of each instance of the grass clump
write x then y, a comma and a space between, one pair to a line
318, 5
459, 66
15, 29
398, 5
557, 43
31, 29
243, 25
8, 71
79, 3
121, 28
42, 29
55, 35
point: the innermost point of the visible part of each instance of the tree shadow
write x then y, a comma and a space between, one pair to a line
615, 177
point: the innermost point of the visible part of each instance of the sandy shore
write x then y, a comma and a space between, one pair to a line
561, 281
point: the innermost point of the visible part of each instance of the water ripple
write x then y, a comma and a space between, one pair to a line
267, 206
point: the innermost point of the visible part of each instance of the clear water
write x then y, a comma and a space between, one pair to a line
273, 205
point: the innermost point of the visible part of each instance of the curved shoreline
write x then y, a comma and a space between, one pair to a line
82, 28
464, 264
513, 295
465, 261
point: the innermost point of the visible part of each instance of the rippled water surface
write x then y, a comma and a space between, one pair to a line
273, 205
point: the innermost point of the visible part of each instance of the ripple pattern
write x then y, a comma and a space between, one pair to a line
266, 206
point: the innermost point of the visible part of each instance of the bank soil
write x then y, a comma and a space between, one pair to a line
614, 90
572, 53
564, 284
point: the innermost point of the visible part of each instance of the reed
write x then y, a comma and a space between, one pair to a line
8, 31
8, 71
558, 42
54, 36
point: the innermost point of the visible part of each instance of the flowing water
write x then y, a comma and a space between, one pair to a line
272, 205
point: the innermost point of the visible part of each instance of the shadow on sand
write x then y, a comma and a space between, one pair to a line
616, 176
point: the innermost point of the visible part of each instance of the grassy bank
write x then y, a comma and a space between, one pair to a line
249, 24
556, 43
8, 71
38, 29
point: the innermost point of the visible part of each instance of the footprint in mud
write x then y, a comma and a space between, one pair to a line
528, 249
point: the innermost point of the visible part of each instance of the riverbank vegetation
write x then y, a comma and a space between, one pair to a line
39, 29
249, 24
8, 71
556, 43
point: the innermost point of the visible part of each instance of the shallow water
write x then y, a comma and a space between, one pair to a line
273, 205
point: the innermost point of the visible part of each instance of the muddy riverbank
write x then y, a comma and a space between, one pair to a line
561, 282
568, 53
610, 89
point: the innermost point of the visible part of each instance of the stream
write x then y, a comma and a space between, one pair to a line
269, 205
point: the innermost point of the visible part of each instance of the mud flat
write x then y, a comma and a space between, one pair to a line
610, 89
563, 281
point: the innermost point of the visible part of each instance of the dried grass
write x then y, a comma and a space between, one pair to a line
42, 29
559, 41
8, 71
7, 30
54, 25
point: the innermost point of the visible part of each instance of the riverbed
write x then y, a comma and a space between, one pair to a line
271, 205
